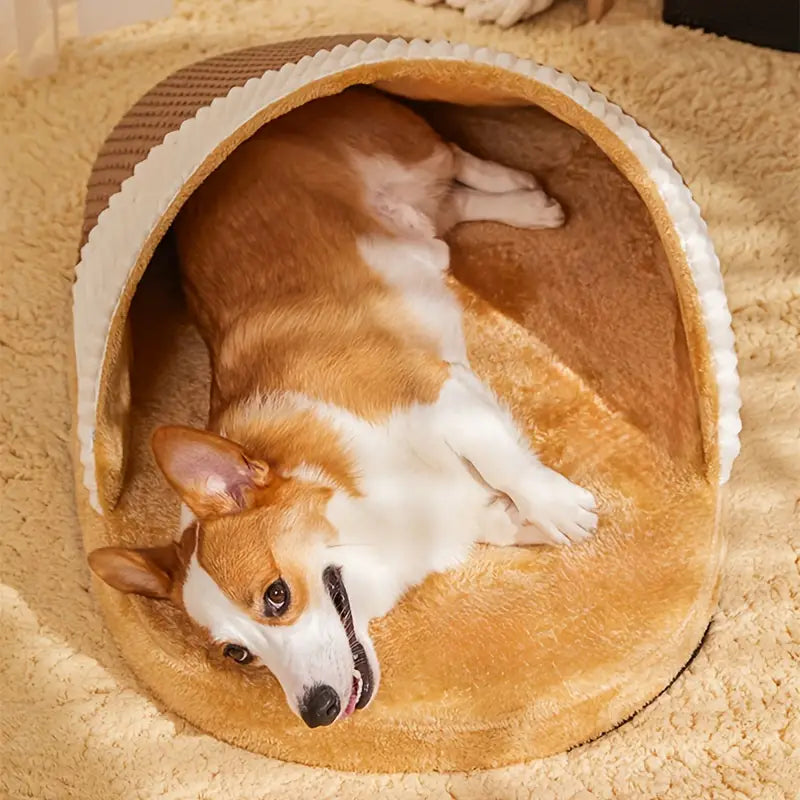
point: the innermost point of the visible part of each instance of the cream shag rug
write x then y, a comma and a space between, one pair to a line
74, 724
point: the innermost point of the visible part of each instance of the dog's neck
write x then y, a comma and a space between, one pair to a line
283, 429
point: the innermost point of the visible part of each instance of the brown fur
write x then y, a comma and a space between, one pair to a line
156, 572
285, 303
245, 553
290, 440
274, 298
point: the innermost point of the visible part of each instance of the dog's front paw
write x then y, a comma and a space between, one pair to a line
553, 510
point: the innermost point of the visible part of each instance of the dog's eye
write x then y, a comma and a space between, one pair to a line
241, 655
276, 597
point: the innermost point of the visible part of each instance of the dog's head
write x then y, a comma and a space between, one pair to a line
255, 572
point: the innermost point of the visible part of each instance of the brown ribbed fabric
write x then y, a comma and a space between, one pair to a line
179, 97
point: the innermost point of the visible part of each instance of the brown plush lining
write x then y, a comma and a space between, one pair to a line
592, 335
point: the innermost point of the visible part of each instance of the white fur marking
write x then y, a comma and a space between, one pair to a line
489, 176
311, 473
215, 485
187, 517
414, 268
314, 649
522, 209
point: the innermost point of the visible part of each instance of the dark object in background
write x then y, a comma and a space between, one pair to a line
769, 23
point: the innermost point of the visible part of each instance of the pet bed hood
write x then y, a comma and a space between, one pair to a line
125, 221
180, 131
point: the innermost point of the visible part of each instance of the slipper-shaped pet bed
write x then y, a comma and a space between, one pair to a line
609, 339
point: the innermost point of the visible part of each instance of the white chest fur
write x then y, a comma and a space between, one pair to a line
419, 512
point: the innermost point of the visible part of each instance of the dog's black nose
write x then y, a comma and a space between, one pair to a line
320, 706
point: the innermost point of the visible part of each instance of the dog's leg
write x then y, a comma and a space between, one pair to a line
489, 176
550, 507
530, 208
493, 192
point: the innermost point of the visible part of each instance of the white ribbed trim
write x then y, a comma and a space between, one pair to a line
113, 246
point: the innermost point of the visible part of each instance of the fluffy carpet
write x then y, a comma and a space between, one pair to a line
74, 723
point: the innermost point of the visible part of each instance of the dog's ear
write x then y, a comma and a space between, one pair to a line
150, 571
213, 475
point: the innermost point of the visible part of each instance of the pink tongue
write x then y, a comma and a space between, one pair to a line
351, 705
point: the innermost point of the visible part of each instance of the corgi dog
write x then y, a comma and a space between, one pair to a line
350, 449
